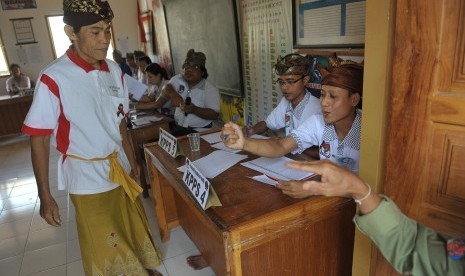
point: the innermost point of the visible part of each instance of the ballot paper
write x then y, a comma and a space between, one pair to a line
221, 146
276, 168
141, 121
212, 137
135, 87
223, 160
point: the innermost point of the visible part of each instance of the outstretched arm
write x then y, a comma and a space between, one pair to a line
234, 138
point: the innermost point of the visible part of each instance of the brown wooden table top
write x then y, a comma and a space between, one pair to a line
243, 198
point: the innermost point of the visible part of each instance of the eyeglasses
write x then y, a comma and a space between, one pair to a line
289, 82
189, 65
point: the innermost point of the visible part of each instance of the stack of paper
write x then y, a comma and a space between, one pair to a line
140, 121
223, 160
212, 137
276, 168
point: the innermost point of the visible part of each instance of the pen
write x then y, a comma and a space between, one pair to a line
234, 120
249, 121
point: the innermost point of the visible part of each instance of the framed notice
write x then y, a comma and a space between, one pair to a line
18, 4
328, 23
23, 31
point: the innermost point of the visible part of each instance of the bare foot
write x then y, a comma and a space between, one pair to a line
197, 262
154, 273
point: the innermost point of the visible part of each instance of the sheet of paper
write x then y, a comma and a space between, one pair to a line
135, 87
140, 121
223, 160
265, 179
221, 146
276, 168
212, 137
258, 136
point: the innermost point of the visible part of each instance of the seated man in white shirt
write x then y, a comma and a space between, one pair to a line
17, 81
196, 100
336, 131
297, 104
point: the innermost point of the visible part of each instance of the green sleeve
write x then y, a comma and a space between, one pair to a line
409, 247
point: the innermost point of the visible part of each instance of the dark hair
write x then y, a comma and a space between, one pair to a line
155, 69
204, 72
13, 66
145, 58
138, 54
76, 29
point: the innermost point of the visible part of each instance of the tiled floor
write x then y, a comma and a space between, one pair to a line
29, 246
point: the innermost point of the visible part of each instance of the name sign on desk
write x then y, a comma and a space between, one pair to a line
198, 184
168, 142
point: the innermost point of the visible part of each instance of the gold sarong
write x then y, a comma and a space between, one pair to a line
114, 234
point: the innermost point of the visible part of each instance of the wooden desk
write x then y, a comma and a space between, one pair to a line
144, 134
13, 111
258, 230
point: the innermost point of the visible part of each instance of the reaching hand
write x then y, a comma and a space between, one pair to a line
293, 189
335, 180
232, 136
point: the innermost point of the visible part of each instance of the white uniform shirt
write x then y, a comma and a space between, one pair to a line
14, 85
203, 95
314, 131
81, 108
284, 116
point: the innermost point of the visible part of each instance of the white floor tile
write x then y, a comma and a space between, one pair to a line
46, 237
5, 192
43, 259
12, 246
56, 271
14, 228
73, 251
17, 213
179, 243
11, 266
179, 267
75, 269
19, 190
18, 201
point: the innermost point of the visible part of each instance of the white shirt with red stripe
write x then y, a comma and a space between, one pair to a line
81, 108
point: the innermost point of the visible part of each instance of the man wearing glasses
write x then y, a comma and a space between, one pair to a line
196, 100
296, 105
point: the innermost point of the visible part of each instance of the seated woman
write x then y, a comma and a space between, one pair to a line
154, 98
17, 81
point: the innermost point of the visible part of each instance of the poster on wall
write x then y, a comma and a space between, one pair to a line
18, 4
266, 33
329, 23
162, 42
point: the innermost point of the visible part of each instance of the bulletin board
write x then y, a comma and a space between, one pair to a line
208, 26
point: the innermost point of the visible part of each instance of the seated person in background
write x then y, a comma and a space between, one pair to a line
410, 247
155, 98
296, 105
143, 62
336, 131
17, 80
118, 58
131, 62
196, 100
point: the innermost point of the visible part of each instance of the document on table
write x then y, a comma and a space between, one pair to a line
221, 146
223, 160
212, 137
140, 121
135, 87
276, 168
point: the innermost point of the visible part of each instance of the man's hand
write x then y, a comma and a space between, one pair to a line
189, 108
293, 189
49, 211
232, 136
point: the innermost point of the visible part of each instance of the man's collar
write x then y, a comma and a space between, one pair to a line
84, 64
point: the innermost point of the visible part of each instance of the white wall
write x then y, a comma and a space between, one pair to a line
126, 35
